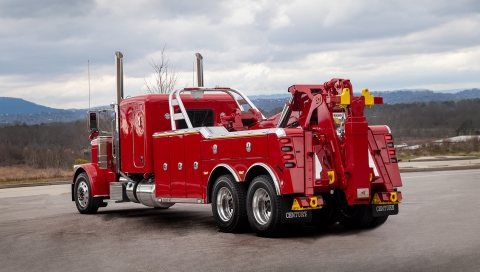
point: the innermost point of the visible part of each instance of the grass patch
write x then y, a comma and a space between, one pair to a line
469, 147
18, 174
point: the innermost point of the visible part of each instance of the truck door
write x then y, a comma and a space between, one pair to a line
139, 136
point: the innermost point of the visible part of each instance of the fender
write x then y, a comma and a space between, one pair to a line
226, 166
213, 174
270, 172
99, 184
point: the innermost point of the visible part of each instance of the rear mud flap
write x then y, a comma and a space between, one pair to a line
290, 216
382, 210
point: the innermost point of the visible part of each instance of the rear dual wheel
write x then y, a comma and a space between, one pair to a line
228, 204
263, 207
234, 207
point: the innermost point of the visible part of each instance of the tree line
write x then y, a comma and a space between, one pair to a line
53, 145
435, 119
59, 144
421, 121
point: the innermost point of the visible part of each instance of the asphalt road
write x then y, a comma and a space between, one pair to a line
438, 229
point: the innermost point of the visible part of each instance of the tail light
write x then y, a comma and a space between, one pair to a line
391, 152
287, 148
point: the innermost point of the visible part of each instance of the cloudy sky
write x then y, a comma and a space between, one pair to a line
259, 47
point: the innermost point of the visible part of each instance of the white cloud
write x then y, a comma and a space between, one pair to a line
256, 46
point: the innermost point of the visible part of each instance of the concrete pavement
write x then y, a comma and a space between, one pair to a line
434, 231
440, 163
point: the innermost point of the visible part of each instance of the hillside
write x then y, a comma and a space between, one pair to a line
419, 96
11, 105
16, 110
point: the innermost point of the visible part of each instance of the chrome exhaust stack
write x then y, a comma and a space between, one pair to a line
119, 65
199, 69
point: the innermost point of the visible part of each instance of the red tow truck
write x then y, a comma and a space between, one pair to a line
317, 162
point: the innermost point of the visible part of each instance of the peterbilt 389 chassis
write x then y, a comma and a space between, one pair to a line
316, 162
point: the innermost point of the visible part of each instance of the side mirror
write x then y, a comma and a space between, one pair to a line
92, 121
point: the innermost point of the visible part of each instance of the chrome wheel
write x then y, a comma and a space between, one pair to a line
228, 204
224, 204
261, 206
82, 194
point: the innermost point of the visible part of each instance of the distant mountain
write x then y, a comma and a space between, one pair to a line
11, 105
412, 96
269, 96
16, 110
269, 102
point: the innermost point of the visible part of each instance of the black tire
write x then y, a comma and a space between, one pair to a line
324, 217
86, 204
228, 204
264, 207
355, 217
377, 221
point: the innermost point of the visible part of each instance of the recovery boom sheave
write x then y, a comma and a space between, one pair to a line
316, 162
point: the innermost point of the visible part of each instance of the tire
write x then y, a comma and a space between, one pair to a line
228, 204
356, 216
377, 221
84, 201
263, 207
324, 217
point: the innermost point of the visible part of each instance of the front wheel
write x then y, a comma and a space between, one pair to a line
228, 204
263, 207
83, 195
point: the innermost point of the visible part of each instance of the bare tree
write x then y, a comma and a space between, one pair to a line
165, 78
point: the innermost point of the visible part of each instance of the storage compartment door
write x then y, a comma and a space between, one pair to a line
177, 163
193, 167
162, 167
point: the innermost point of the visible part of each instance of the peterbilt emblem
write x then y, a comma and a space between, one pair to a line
215, 149
249, 147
